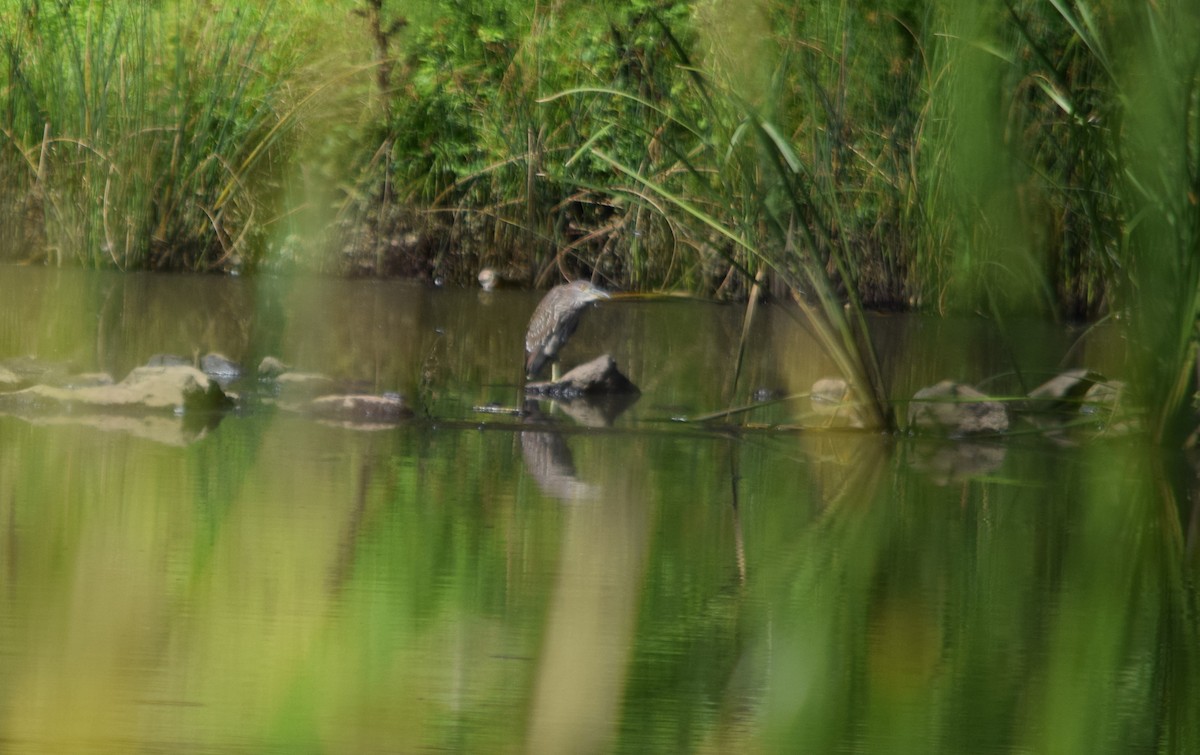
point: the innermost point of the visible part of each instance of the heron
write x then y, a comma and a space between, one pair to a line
553, 322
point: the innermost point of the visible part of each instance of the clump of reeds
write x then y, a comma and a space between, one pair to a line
141, 135
1120, 87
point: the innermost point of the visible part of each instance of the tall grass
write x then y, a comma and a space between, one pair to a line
140, 136
1128, 93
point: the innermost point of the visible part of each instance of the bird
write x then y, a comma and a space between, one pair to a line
554, 320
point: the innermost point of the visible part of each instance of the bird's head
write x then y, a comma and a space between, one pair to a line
585, 291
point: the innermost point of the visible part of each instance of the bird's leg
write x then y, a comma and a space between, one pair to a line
554, 376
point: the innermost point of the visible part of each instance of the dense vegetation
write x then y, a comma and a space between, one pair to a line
942, 151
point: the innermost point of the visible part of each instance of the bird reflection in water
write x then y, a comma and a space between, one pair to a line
545, 450
549, 461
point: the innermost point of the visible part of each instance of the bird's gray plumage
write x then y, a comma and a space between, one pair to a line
555, 319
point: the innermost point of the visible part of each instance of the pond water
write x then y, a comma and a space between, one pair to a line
467, 583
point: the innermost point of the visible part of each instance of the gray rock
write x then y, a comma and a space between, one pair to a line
597, 377
271, 367
954, 409
220, 368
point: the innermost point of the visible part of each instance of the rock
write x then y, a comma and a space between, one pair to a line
362, 409
763, 394
1065, 392
29, 370
489, 279
146, 389
832, 399
597, 377
954, 409
271, 367
1106, 404
827, 391
220, 368
1103, 397
9, 379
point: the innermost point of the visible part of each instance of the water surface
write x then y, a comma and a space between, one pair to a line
467, 583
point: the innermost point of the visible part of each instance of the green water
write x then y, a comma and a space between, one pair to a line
463, 583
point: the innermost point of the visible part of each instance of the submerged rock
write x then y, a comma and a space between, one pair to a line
597, 377
832, 400
145, 389
954, 409
362, 409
